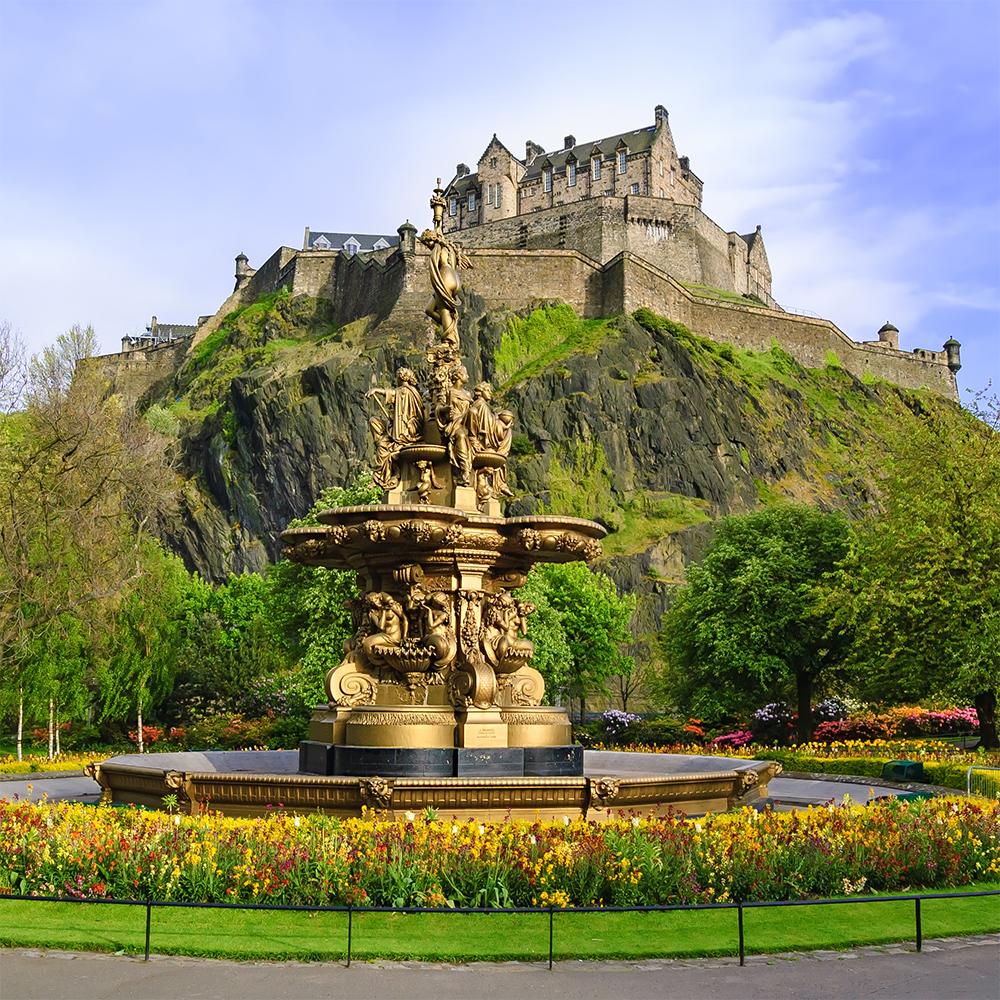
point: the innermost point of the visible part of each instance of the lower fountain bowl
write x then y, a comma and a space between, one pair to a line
256, 782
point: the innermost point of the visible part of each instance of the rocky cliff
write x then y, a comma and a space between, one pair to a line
634, 420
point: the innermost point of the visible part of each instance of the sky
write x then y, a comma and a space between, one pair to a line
144, 143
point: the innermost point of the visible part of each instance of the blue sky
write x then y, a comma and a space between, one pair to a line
144, 144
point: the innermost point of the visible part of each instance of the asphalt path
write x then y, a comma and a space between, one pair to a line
958, 969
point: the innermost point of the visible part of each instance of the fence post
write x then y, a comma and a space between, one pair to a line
550, 938
919, 923
350, 928
739, 917
149, 913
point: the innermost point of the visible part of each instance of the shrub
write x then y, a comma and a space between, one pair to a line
739, 738
772, 723
616, 722
659, 730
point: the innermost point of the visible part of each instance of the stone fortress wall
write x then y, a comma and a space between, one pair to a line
141, 373
679, 239
392, 287
607, 227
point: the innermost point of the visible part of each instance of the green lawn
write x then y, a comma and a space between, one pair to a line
250, 934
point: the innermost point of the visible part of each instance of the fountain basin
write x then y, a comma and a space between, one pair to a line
258, 782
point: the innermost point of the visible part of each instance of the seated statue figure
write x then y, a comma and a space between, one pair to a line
406, 415
384, 470
438, 633
502, 645
387, 623
489, 431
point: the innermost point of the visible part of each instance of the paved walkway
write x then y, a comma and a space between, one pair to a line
955, 969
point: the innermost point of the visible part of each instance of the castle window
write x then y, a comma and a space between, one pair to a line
622, 160
472, 201
635, 189
661, 168
453, 207
571, 173
673, 177
496, 195
493, 161
595, 168
351, 246
547, 179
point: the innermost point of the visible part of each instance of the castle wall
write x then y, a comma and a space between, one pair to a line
679, 239
517, 280
808, 339
356, 285
396, 291
138, 374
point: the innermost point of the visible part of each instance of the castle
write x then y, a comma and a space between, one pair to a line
607, 227
627, 192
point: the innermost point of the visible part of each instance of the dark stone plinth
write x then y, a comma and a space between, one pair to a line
489, 762
395, 762
316, 758
553, 762
440, 762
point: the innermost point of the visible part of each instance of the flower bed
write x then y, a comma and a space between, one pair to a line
36, 763
68, 848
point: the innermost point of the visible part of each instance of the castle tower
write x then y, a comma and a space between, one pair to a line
243, 270
888, 335
953, 349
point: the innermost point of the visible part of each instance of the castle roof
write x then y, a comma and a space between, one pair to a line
460, 185
637, 141
337, 241
170, 331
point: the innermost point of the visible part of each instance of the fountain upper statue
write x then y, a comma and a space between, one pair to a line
446, 259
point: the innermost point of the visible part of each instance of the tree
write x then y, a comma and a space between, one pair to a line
921, 588
310, 602
553, 658
595, 620
82, 480
750, 623
143, 646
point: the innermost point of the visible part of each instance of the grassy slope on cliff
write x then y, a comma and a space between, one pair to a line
809, 434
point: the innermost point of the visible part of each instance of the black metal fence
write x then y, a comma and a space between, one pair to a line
740, 907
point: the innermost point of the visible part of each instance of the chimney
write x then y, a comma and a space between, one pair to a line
531, 152
660, 115
569, 142
462, 170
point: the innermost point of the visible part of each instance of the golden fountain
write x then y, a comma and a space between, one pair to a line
435, 704
437, 679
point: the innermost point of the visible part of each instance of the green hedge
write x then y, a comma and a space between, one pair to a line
945, 773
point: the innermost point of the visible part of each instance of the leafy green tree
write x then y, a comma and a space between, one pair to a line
231, 641
595, 620
82, 480
750, 623
553, 657
921, 588
309, 603
143, 647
